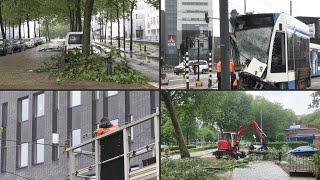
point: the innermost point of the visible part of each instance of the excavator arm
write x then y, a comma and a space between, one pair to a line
253, 124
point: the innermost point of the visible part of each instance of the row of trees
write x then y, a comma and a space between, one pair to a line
219, 112
14, 13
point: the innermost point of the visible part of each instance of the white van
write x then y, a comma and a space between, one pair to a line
74, 41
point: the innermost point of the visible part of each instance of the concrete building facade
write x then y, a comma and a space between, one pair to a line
34, 121
186, 19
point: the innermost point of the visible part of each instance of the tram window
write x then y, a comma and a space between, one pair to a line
278, 63
301, 52
290, 52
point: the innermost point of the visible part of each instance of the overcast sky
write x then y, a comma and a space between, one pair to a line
300, 8
298, 101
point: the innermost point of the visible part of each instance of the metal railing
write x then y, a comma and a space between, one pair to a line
155, 147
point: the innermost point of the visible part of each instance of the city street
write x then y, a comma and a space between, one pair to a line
17, 71
179, 82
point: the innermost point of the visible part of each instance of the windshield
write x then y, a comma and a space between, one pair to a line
254, 43
75, 39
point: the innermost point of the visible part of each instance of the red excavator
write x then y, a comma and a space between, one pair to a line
229, 143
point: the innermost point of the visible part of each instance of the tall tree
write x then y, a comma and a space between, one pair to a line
167, 99
87, 27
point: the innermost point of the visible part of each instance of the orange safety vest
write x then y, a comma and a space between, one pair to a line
232, 66
219, 67
101, 131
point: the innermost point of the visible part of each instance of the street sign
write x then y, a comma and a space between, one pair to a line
171, 40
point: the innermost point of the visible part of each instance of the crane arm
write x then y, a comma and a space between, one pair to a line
253, 124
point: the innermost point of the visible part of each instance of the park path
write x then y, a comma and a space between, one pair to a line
265, 170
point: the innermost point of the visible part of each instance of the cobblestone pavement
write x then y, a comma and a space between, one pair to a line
265, 170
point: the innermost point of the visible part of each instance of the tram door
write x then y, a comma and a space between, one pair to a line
279, 60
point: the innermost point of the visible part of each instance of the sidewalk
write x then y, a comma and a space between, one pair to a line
265, 170
194, 154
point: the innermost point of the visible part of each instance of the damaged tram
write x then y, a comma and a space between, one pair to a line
274, 49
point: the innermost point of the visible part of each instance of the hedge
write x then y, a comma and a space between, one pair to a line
291, 144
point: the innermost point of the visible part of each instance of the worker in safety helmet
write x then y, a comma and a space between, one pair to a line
105, 126
219, 74
234, 82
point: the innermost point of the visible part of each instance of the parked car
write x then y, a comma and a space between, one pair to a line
38, 41
43, 39
204, 67
5, 47
18, 45
30, 43
73, 42
303, 151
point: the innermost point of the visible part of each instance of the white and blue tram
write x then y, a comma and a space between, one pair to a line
315, 59
275, 51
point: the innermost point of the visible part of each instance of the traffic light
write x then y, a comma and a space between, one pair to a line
182, 51
206, 17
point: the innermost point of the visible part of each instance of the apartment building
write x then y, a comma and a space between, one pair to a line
38, 126
186, 18
304, 132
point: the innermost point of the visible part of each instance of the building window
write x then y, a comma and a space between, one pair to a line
75, 98
76, 137
25, 109
24, 155
40, 105
40, 151
112, 93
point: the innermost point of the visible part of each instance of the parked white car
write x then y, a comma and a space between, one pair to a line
73, 42
204, 67
29, 43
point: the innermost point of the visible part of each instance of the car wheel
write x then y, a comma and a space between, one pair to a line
177, 73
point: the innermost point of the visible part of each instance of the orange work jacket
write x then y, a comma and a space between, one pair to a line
101, 131
219, 67
231, 66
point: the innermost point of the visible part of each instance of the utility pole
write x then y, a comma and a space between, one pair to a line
290, 8
225, 45
245, 6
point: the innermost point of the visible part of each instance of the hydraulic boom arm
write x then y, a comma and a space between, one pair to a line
253, 124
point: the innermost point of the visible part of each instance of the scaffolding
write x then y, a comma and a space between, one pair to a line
149, 172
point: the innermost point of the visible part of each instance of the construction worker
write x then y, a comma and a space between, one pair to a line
105, 126
232, 74
219, 74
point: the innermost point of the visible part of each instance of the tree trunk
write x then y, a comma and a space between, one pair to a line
47, 32
78, 15
111, 31
176, 126
28, 26
9, 30
87, 27
131, 24
34, 29
1, 23
39, 34
102, 31
118, 27
105, 31
13, 31
20, 28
